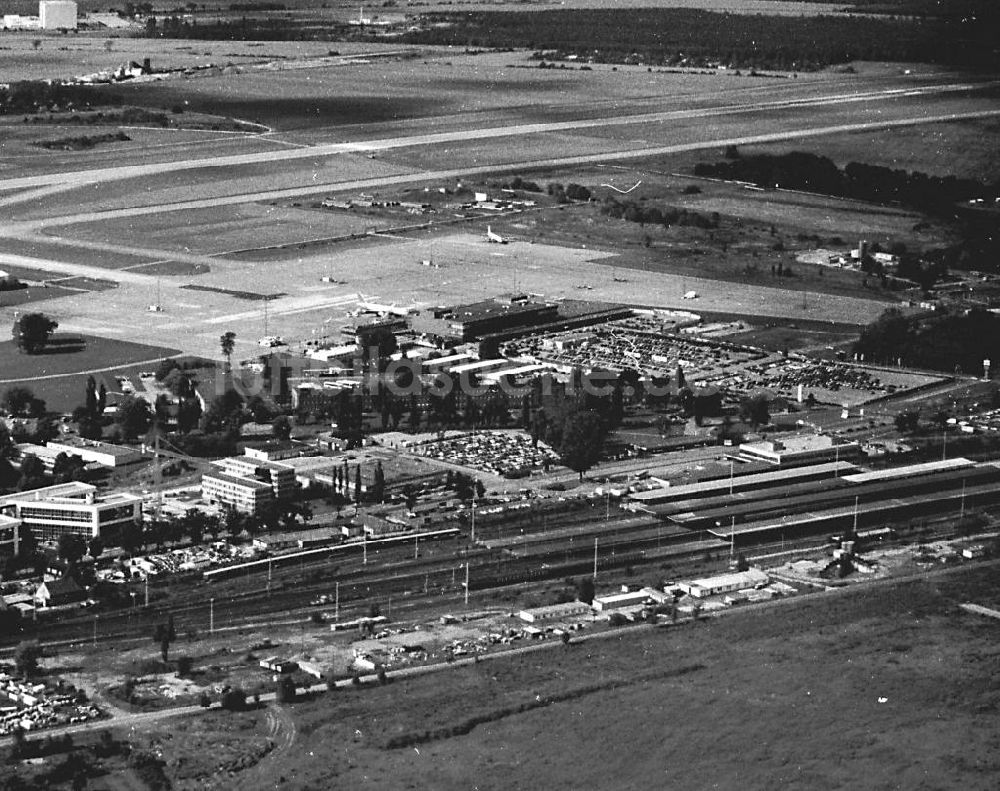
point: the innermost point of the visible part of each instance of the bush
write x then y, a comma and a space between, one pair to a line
286, 691
184, 666
234, 699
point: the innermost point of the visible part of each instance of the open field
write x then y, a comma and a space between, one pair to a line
70, 353
894, 678
964, 148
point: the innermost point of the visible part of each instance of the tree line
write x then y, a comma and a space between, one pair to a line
943, 341
650, 214
675, 36
805, 171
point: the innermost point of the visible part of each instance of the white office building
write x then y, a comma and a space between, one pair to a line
57, 14
72, 508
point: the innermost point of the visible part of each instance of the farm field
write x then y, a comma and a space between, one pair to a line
895, 678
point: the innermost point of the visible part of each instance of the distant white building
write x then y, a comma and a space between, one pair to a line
18, 22
554, 612
57, 14
800, 449
724, 583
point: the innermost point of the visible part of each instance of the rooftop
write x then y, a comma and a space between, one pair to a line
253, 483
101, 447
488, 308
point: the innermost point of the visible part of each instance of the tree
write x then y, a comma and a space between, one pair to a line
26, 657
32, 332
95, 547
224, 413
233, 699
71, 547
133, 417
285, 692
194, 525
90, 397
755, 410
281, 427
68, 468
32, 473
8, 450
907, 421
582, 441
227, 342
21, 402
585, 590
357, 484
165, 635
378, 486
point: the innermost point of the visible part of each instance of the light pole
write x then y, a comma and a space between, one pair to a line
95, 628
211, 616
731, 465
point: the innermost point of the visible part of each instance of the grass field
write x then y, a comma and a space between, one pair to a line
965, 149
58, 376
894, 681
25, 296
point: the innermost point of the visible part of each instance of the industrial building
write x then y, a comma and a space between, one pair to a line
103, 453
72, 508
464, 323
800, 449
248, 484
57, 14
554, 612
724, 583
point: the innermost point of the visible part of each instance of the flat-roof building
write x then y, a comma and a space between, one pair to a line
724, 583
470, 322
103, 453
799, 449
57, 14
615, 601
554, 612
72, 508
248, 484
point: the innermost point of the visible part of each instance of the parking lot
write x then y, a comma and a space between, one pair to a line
504, 453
